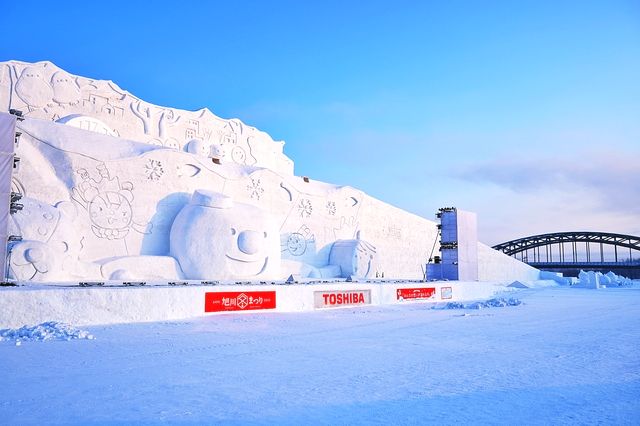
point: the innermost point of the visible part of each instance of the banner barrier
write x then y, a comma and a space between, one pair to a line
113, 303
239, 301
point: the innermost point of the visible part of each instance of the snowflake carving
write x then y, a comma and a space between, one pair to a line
255, 189
331, 208
153, 169
305, 208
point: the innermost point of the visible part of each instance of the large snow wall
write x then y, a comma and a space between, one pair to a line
494, 265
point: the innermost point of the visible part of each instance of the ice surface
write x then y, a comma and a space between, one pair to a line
564, 356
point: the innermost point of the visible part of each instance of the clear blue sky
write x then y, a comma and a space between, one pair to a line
525, 112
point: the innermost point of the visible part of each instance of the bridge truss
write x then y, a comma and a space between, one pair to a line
564, 248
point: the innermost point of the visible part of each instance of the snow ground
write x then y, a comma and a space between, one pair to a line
563, 356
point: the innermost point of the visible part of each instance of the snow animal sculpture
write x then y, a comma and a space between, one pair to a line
33, 89
214, 237
50, 243
33, 261
51, 247
65, 89
356, 257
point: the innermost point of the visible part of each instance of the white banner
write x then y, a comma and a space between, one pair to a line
338, 298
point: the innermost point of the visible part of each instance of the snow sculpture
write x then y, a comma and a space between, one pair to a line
51, 248
133, 191
109, 204
213, 236
50, 244
65, 89
34, 260
198, 147
328, 271
356, 258
128, 268
87, 123
33, 89
42, 90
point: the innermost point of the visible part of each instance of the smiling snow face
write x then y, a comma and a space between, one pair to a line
215, 238
110, 210
110, 215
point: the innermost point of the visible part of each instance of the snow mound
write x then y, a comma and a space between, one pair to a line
591, 279
51, 330
491, 303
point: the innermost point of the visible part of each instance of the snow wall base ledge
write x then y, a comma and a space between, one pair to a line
83, 306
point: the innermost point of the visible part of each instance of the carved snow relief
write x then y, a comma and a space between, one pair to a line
214, 236
136, 195
108, 203
255, 189
42, 90
305, 208
153, 169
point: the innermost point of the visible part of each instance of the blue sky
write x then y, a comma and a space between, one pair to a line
526, 112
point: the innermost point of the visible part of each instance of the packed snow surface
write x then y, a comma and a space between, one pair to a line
563, 356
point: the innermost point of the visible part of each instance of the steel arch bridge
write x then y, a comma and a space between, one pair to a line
564, 251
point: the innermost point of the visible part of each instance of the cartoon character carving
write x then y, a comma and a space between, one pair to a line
295, 243
355, 257
33, 89
156, 120
31, 260
198, 147
172, 143
167, 119
218, 151
233, 140
109, 204
144, 113
214, 237
51, 244
65, 89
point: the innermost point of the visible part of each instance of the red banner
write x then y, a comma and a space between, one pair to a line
239, 301
416, 293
